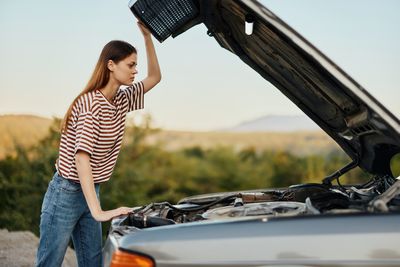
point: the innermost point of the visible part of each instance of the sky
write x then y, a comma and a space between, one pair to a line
48, 50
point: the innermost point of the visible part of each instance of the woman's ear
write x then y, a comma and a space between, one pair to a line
110, 65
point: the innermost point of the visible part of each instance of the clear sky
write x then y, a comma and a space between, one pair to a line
48, 50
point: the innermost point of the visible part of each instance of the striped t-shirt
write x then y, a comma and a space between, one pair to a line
97, 127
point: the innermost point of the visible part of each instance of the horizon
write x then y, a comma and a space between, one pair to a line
230, 129
49, 49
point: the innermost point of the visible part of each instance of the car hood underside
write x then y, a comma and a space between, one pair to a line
364, 128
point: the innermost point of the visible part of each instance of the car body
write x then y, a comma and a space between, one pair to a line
302, 225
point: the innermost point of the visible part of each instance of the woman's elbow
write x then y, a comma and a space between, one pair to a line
158, 78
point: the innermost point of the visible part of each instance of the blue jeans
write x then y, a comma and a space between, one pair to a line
64, 214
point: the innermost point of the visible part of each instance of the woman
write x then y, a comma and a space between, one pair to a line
91, 138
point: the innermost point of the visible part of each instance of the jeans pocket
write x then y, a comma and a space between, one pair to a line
48, 197
70, 186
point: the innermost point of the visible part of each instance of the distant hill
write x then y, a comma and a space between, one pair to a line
274, 123
298, 143
24, 130
27, 130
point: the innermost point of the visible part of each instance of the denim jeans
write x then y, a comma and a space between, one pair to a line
64, 214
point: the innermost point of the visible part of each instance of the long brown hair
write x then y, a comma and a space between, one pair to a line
116, 51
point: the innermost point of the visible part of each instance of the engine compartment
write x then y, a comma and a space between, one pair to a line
303, 199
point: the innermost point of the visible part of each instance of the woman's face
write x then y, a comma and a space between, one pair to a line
125, 70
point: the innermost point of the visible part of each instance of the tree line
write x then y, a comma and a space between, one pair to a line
149, 173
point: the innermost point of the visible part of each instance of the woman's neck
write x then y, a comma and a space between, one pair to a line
110, 90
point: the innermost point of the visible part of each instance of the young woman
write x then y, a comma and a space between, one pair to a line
91, 138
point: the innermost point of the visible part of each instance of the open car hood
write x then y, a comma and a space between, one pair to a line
364, 128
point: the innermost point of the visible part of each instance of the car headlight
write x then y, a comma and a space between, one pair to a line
124, 258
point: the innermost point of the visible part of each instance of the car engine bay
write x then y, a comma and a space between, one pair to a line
380, 194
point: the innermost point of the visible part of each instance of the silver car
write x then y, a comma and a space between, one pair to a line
324, 224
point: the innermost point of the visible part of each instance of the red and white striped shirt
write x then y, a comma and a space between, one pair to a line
97, 127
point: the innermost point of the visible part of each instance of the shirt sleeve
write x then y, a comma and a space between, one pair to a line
86, 133
135, 96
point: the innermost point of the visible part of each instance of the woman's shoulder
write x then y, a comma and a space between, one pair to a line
131, 88
86, 103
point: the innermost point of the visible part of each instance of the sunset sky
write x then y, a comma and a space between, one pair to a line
49, 48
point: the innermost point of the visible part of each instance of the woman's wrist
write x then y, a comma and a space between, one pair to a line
96, 212
147, 38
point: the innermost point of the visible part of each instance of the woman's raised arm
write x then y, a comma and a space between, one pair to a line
153, 68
